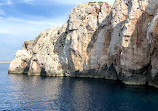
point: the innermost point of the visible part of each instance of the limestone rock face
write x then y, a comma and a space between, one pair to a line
65, 50
119, 16
47, 48
82, 25
135, 58
28, 46
83, 40
152, 36
20, 62
135, 49
100, 41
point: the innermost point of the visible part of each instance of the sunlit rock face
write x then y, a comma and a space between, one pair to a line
88, 29
135, 48
80, 45
100, 41
136, 56
20, 62
131, 53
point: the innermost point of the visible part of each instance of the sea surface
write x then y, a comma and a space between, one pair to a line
37, 93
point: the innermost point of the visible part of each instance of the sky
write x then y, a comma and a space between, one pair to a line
23, 20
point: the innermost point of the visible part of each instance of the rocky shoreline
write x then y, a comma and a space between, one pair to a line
118, 42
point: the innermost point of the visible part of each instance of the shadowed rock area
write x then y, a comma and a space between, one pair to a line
118, 42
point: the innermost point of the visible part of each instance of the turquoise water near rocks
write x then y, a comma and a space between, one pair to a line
36, 93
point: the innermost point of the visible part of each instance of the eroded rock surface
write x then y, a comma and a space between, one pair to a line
20, 62
100, 41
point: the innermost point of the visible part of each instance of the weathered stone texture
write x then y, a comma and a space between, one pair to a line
100, 41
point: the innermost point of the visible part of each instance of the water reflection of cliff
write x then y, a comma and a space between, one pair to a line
49, 93
35, 91
76, 94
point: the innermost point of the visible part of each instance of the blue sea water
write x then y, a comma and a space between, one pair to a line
36, 93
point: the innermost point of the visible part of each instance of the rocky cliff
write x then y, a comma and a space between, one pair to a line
100, 41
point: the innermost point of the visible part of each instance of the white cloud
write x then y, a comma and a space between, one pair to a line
6, 2
14, 31
70, 2
2, 12
28, 1
26, 28
9, 2
77, 2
